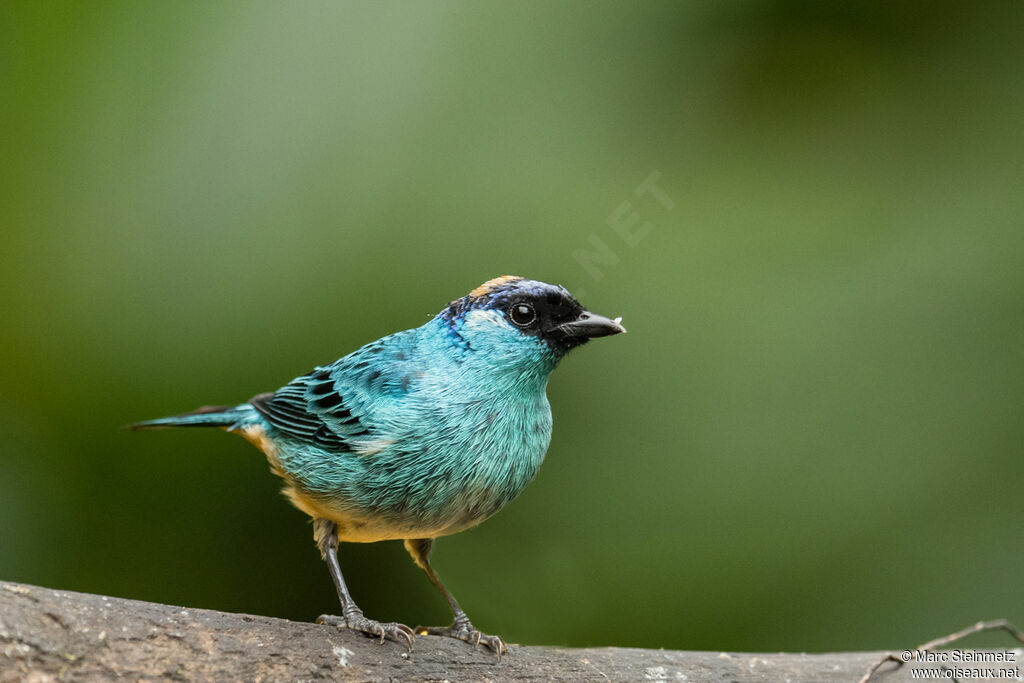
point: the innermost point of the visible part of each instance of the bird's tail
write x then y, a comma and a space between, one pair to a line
207, 416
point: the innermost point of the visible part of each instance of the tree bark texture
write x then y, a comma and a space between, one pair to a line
51, 635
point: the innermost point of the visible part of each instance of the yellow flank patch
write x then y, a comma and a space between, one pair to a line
489, 286
352, 528
257, 436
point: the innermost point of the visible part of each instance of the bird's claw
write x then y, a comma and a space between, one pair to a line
400, 633
464, 631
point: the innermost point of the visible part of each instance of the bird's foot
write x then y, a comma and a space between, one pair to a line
463, 630
400, 633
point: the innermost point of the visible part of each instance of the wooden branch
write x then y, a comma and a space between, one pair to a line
56, 635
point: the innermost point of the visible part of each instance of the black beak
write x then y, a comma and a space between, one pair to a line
589, 325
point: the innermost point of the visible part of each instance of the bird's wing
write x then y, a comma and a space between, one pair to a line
335, 405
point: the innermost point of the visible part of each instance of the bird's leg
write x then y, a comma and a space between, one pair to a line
325, 532
461, 628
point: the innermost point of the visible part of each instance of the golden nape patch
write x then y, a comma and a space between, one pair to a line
489, 286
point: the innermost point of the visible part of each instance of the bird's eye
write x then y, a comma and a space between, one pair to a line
522, 314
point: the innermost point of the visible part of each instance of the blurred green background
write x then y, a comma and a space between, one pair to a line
811, 439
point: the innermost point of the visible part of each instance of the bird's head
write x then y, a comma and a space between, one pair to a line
517, 321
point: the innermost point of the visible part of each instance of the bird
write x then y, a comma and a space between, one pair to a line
417, 435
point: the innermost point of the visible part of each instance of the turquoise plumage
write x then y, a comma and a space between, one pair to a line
420, 434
